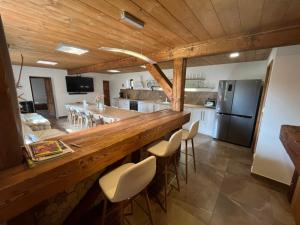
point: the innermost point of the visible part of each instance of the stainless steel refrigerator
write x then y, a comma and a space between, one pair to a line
236, 111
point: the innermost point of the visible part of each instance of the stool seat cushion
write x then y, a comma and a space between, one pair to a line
159, 149
185, 134
109, 182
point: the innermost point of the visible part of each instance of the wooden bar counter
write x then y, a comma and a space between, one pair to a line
290, 138
22, 188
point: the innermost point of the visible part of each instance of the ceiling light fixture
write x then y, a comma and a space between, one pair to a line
128, 52
132, 20
71, 49
113, 71
234, 55
46, 62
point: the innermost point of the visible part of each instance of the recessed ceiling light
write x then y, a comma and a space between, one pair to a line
234, 55
113, 71
46, 62
143, 66
131, 19
71, 49
128, 52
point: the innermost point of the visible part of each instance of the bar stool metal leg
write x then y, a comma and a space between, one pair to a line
176, 171
166, 182
193, 154
104, 211
186, 162
148, 206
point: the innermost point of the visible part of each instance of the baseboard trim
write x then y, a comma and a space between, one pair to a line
273, 183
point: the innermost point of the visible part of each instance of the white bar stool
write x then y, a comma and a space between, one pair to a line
167, 150
126, 182
189, 135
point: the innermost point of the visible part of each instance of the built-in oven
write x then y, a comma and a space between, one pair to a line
133, 105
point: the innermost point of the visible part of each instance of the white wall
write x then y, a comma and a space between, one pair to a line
281, 107
39, 90
212, 73
61, 97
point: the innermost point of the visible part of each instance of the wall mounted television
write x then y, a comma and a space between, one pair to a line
79, 85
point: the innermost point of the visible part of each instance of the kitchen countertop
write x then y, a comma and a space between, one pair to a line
109, 112
165, 103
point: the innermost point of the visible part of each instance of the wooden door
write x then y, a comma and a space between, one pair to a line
106, 92
10, 131
261, 106
50, 97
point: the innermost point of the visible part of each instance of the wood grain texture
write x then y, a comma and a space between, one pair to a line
246, 56
11, 131
35, 28
262, 40
160, 78
179, 72
290, 138
22, 188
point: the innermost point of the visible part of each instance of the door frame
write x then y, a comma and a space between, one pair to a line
52, 93
262, 106
106, 98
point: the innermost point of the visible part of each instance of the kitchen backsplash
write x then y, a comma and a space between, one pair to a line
197, 98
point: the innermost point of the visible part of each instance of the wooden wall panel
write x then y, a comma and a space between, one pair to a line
10, 125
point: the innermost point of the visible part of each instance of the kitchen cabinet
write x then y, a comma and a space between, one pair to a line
145, 107
207, 121
124, 104
206, 118
115, 102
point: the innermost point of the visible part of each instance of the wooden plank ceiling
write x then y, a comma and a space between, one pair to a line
36, 27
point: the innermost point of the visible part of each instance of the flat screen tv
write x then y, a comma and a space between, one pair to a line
79, 85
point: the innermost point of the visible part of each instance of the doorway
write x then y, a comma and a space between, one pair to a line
42, 95
106, 92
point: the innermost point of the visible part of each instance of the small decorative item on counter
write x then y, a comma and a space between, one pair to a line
99, 101
42, 151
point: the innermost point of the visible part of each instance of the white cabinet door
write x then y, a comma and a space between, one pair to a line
195, 116
145, 107
207, 121
124, 104
115, 103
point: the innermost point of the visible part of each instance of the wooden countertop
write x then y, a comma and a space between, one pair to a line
290, 138
22, 188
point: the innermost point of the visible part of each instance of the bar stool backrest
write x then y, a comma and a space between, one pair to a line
135, 179
193, 129
174, 143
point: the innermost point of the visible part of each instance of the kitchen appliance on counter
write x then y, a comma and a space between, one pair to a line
210, 103
236, 111
133, 105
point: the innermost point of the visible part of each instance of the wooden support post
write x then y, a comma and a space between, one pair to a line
11, 131
161, 79
179, 71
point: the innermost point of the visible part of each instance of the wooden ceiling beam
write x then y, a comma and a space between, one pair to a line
161, 79
270, 39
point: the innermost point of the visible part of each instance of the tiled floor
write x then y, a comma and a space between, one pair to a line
221, 192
